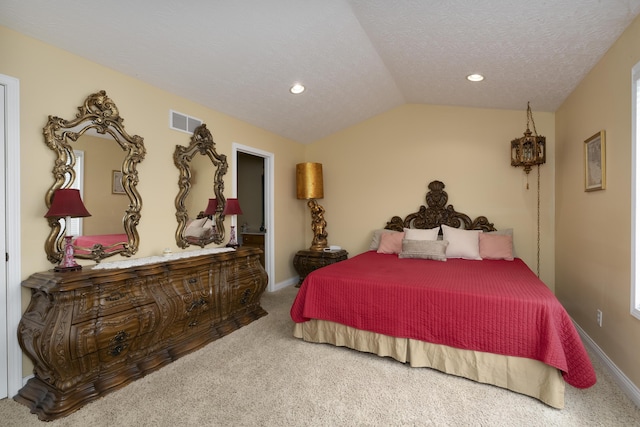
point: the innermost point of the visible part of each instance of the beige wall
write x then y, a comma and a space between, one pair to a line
381, 168
593, 229
54, 82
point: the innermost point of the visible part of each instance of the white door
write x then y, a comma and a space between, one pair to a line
4, 386
268, 202
10, 294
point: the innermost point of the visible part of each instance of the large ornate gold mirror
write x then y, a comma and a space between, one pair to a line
95, 154
201, 168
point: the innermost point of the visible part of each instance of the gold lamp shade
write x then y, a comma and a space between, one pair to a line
309, 187
309, 183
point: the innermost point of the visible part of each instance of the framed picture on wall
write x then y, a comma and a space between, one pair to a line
117, 187
594, 162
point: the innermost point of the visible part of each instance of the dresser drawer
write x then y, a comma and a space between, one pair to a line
115, 335
102, 301
188, 284
253, 239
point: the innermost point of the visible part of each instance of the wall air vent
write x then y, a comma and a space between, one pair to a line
182, 122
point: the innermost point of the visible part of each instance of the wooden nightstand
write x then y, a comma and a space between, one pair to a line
307, 261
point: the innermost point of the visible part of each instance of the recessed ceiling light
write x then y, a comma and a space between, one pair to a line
475, 77
296, 89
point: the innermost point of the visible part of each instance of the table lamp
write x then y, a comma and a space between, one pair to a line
309, 186
67, 204
232, 207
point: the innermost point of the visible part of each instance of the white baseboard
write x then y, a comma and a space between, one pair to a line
282, 285
627, 386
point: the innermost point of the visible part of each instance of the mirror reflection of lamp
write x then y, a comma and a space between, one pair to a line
212, 207
67, 204
232, 207
210, 212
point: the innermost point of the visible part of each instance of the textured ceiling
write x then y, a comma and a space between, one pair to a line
358, 58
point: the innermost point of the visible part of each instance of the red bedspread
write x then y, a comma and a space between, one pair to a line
105, 240
497, 307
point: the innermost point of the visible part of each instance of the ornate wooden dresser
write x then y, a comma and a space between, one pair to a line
93, 331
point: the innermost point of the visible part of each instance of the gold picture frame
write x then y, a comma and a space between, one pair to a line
116, 187
594, 162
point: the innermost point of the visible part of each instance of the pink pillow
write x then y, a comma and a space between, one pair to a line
390, 243
496, 246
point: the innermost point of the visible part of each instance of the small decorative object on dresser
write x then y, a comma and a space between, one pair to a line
94, 331
307, 261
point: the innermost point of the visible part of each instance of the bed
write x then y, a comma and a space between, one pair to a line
426, 295
106, 242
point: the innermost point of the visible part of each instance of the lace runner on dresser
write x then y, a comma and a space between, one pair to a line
155, 259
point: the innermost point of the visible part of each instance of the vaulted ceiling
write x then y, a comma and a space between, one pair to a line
357, 58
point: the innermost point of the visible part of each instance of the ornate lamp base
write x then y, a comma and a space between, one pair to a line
233, 241
318, 225
68, 262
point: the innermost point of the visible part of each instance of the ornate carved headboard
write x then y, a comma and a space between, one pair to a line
438, 213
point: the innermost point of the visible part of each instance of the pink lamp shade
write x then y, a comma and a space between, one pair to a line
232, 207
212, 207
67, 203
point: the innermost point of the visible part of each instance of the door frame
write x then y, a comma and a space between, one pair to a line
269, 244
12, 232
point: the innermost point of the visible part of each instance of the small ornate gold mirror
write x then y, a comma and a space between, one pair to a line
89, 156
201, 168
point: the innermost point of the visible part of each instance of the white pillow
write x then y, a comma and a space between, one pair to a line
196, 228
462, 243
421, 234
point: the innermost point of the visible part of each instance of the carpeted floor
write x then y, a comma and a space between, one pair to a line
261, 376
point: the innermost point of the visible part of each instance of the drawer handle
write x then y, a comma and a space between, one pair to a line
115, 351
245, 296
115, 296
118, 343
193, 281
196, 304
120, 336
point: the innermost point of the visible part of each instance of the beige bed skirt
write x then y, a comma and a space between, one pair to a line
526, 376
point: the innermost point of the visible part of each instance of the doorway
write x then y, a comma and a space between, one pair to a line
10, 295
258, 166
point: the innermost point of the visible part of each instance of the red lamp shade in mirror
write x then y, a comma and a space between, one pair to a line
212, 207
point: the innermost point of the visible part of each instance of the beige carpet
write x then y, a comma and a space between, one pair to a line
261, 376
